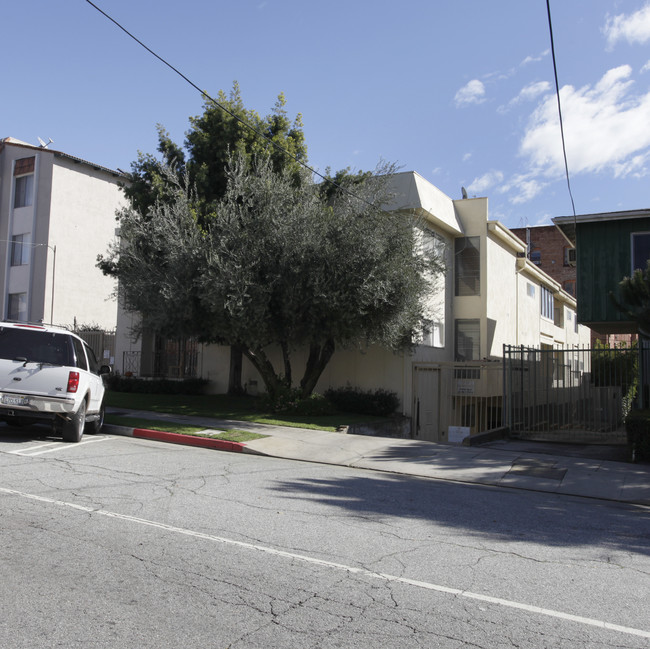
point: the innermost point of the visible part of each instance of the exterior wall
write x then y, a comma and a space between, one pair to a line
502, 306
82, 225
70, 221
597, 279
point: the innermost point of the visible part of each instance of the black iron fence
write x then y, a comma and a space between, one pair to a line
172, 359
581, 394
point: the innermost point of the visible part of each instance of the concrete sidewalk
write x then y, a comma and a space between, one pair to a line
513, 467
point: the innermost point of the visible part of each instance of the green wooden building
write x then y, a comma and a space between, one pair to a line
608, 247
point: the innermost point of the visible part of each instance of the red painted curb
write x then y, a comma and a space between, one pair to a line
189, 440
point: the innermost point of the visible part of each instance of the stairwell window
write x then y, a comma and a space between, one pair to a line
467, 337
467, 266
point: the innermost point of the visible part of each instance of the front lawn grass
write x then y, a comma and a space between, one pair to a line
223, 406
230, 434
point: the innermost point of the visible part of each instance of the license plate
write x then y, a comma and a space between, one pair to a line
12, 400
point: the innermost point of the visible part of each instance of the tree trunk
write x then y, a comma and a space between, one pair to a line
234, 377
319, 357
287, 364
272, 381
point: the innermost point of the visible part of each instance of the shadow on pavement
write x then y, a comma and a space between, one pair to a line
511, 516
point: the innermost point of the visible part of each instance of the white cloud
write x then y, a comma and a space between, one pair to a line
471, 93
633, 28
535, 59
646, 67
524, 187
467, 157
480, 184
533, 90
605, 127
529, 92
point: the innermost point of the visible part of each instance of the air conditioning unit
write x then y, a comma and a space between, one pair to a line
571, 256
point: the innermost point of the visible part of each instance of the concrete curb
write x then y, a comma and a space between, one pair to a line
176, 438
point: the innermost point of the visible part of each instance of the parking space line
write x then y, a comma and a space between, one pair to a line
58, 446
339, 566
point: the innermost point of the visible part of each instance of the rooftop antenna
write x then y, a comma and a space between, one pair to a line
463, 192
43, 144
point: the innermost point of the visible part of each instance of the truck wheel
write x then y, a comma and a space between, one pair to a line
93, 427
73, 430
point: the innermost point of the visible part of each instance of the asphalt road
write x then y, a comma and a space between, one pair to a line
119, 542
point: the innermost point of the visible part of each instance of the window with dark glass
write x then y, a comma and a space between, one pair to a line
24, 182
640, 250
17, 307
467, 255
467, 339
20, 249
24, 191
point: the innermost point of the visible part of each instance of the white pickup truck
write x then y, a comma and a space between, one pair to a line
49, 374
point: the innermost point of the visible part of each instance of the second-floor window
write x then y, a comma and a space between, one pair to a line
20, 245
547, 306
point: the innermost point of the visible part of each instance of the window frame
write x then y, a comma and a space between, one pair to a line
547, 303
20, 249
474, 323
467, 266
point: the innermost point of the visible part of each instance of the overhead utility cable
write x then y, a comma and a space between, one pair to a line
559, 107
216, 103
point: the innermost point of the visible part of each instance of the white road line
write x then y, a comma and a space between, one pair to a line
339, 566
58, 446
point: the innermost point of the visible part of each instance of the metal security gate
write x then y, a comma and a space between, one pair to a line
102, 343
574, 395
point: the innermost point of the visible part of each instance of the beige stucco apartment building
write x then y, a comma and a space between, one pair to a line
57, 213
451, 384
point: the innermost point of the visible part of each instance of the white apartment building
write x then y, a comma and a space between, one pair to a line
57, 213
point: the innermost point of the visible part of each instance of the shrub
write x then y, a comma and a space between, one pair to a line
637, 426
120, 383
379, 403
289, 401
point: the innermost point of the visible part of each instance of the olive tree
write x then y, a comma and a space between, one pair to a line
279, 265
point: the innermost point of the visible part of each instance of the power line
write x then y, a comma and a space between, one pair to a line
559, 107
216, 103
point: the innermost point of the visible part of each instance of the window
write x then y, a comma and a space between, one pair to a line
530, 289
24, 182
569, 285
24, 191
17, 307
640, 250
547, 307
536, 256
79, 354
433, 334
468, 265
20, 244
468, 340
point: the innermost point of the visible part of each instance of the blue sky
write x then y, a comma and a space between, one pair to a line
461, 92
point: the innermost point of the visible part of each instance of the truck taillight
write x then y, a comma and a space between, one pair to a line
73, 381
